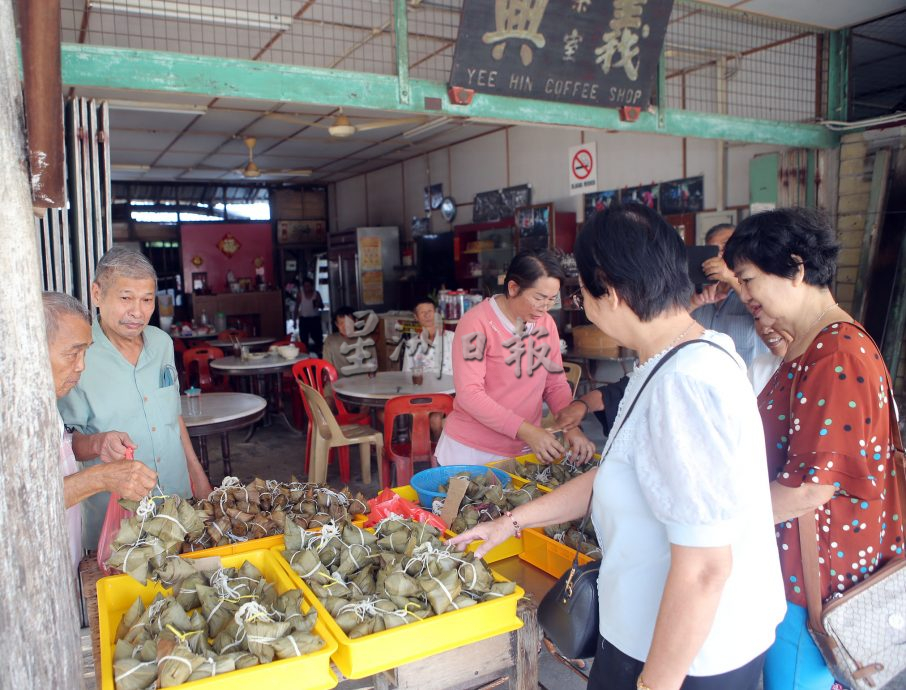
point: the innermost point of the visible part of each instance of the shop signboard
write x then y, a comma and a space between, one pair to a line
301, 231
592, 52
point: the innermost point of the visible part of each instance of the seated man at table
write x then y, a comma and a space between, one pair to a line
68, 329
335, 343
431, 351
130, 383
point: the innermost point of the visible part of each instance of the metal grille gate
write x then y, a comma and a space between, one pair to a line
72, 239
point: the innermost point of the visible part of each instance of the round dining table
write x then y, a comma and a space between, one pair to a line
248, 341
259, 368
220, 414
375, 392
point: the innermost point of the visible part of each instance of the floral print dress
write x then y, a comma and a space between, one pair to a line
837, 433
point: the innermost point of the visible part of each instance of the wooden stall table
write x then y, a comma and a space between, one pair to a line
585, 358
259, 368
222, 413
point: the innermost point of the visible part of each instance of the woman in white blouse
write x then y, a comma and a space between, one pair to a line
689, 589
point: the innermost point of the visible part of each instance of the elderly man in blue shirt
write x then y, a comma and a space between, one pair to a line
718, 307
130, 384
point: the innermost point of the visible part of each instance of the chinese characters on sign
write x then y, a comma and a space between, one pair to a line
594, 52
361, 354
524, 345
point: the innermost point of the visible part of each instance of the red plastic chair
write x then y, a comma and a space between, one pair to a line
200, 356
230, 333
315, 373
420, 448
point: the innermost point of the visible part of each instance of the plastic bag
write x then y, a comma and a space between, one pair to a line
388, 502
114, 516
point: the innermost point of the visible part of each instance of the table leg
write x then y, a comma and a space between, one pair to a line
280, 412
203, 452
225, 451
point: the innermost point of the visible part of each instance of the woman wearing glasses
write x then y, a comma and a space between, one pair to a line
506, 362
689, 589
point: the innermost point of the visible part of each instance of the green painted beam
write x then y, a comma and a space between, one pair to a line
119, 68
401, 36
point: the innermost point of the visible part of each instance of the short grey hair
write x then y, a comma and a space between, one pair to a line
128, 263
58, 305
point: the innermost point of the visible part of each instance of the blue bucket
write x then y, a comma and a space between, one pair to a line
426, 482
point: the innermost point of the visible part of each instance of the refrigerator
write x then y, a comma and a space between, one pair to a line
364, 267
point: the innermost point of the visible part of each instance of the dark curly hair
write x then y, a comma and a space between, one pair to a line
633, 250
779, 241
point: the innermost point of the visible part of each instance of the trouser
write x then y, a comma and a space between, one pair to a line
613, 670
310, 326
794, 661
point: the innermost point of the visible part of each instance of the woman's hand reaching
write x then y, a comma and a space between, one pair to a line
543, 443
493, 533
582, 449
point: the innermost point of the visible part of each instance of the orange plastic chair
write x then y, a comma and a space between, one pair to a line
420, 447
200, 356
316, 373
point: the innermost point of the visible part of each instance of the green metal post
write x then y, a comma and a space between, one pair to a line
662, 89
838, 75
401, 31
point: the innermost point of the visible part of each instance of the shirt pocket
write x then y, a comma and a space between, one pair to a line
167, 407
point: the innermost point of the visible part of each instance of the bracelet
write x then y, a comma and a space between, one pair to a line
579, 400
640, 684
516, 527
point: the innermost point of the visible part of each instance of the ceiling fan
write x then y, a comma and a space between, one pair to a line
342, 127
252, 171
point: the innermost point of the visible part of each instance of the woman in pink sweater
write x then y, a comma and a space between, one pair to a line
506, 361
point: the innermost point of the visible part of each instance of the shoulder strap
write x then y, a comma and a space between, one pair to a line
808, 533
638, 395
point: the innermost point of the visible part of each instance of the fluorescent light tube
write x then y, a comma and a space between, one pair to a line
170, 9
130, 167
426, 128
148, 106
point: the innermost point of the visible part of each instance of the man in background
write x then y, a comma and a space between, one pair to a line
310, 306
718, 306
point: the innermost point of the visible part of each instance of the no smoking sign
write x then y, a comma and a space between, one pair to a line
583, 173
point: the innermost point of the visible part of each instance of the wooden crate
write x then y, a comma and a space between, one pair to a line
590, 339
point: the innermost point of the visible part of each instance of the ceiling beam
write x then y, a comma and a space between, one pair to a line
145, 70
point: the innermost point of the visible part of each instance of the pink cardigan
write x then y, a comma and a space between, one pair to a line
491, 402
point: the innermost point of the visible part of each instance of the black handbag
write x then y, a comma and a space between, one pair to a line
568, 613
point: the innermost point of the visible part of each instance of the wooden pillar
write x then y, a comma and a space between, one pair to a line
37, 584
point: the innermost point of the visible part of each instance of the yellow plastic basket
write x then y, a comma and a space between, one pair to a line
507, 466
548, 554
365, 656
310, 672
256, 544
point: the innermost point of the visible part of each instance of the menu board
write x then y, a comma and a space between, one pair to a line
592, 52
370, 254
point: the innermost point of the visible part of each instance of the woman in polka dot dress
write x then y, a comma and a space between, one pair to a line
826, 423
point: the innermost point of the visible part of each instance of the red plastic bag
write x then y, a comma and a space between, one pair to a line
388, 502
115, 515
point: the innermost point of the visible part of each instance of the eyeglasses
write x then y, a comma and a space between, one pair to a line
577, 300
542, 302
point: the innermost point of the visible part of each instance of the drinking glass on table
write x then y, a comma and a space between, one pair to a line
418, 376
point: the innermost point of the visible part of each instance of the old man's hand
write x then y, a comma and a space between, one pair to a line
129, 478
